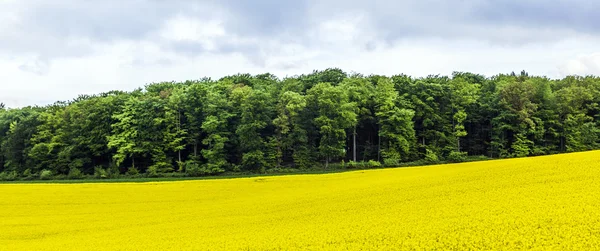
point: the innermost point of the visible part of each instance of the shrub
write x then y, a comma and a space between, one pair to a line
455, 156
172, 175
133, 171
45, 174
391, 162
75, 173
236, 168
193, 169
254, 161
152, 171
213, 168
364, 164
353, 164
160, 167
113, 171
336, 166
430, 156
180, 166
100, 173
281, 170
373, 164
8, 176
27, 175
477, 158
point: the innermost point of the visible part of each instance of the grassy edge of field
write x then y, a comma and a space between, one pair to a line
234, 175
227, 175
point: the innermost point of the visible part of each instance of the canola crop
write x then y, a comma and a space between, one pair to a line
550, 202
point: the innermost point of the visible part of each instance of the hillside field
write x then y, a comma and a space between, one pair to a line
550, 202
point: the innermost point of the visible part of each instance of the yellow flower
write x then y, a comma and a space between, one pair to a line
549, 202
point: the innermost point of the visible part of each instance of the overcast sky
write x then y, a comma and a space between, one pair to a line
56, 50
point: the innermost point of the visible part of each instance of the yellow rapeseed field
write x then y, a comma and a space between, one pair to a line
550, 202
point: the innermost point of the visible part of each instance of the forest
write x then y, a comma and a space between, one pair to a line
325, 119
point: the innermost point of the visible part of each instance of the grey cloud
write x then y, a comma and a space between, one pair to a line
38, 67
46, 26
474, 19
578, 15
266, 17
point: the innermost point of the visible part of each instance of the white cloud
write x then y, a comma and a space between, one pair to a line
128, 64
42, 63
186, 29
582, 65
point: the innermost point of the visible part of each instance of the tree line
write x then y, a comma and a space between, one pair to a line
246, 123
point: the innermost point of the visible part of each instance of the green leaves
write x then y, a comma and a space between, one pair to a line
334, 114
257, 122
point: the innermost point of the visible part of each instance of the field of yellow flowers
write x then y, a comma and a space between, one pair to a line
550, 202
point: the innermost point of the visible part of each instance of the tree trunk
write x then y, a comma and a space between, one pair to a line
490, 137
378, 146
354, 143
195, 149
179, 130
327, 162
132, 161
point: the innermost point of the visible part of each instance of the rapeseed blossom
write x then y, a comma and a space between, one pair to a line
549, 202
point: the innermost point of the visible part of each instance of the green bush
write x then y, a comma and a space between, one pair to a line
75, 173
431, 157
212, 168
180, 166
193, 169
353, 164
100, 173
336, 166
254, 161
46, 174
133, 171
8, 176
373, 164
281, 170
160, 167
113, 172
477, 158
152, 171
173, 175
364, 164
455, 156
391, 162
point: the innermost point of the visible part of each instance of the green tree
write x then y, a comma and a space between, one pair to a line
462, 94
335, 114
290, 126
256, 117
395, 123
218, 112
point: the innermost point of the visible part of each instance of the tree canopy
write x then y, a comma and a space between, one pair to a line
246, 123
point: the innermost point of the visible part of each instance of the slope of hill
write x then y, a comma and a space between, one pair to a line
538, 202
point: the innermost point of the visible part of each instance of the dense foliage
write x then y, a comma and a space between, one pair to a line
260, 123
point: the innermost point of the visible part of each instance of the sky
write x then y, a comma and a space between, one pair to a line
57, 50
